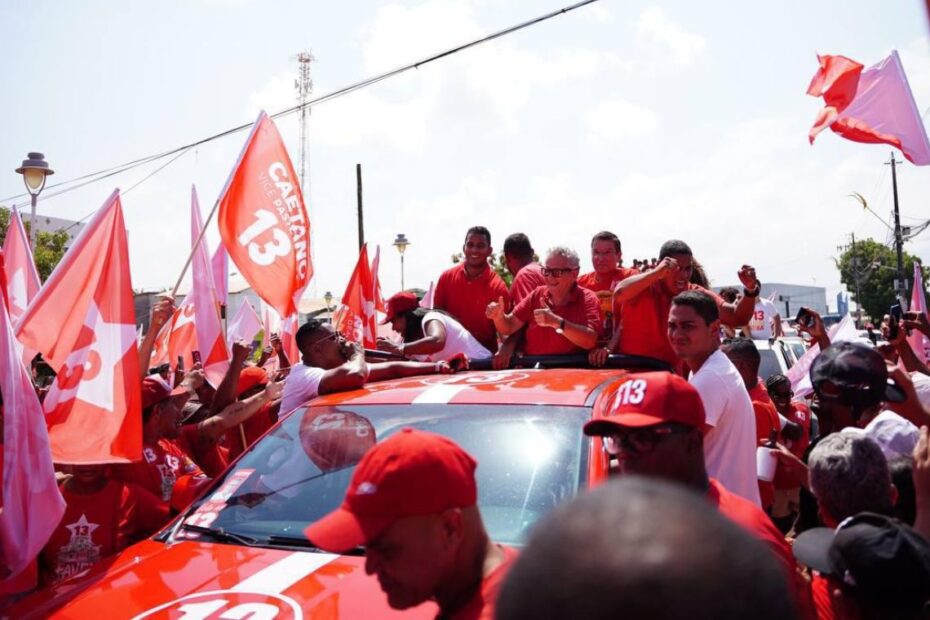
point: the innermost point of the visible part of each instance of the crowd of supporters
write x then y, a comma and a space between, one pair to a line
735, 496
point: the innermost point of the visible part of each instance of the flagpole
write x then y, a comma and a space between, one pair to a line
196, 245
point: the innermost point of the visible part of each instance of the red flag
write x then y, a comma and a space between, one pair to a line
182, 336
22, 278
84, 324
263, 222
356, 317
220, 264
30, 500
207, 322
289, 338
378, 298
872, 106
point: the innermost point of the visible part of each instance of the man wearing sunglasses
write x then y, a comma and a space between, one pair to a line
656, 427
561, 317
333, 364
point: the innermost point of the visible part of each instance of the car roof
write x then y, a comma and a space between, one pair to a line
555, 386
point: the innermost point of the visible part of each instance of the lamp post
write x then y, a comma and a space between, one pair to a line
401, 243
34, 170
328, 300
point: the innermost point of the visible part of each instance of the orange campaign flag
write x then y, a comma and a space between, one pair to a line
263, 221
84, 324
355, 319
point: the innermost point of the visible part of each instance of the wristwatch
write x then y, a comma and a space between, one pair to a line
561, 328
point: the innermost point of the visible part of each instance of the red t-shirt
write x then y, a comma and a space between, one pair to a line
766, 422
98, 525
211, 456
759, 393
527, 279
800, 414
644, 323
823, 602
603, 287
582, 308
253, 428
481, 605
467, 299
164, 465
752, 519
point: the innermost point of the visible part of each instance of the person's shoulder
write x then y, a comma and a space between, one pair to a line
304, 372
588, 295
450, 273
587, 280
738, 509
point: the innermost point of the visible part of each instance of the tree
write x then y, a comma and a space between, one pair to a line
497, 264
50, 246
876, 266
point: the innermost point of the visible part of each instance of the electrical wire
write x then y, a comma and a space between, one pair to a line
99, 175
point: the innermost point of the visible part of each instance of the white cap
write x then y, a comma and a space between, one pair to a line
893, 434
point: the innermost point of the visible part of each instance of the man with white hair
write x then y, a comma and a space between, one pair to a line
562, 317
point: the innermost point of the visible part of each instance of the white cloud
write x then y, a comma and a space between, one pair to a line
655, 27
615, 120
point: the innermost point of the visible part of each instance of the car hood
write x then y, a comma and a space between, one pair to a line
198, 580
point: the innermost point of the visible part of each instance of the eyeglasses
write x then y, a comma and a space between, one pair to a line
641, 440
555, 272
779, 395
338, 337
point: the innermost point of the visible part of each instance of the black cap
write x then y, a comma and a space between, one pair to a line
857, 375
878, 558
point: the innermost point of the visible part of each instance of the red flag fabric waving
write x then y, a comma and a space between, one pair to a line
874, 105
355, 319
83, 323
22, 278
220, 264
263, 221
375, 264
30, 500
182, 336
207, 322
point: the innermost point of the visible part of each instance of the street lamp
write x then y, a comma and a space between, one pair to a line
328, 300
34, 170
401, 243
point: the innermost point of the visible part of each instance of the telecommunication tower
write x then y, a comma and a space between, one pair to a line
304, 87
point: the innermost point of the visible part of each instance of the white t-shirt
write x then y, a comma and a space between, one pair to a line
730, 446
458, 340
301, 385
762, 323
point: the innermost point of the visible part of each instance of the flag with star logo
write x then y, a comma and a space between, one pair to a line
83, 322
355, 318
30, 502
21, 276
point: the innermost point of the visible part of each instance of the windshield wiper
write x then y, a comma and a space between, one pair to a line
221, 535
305, 543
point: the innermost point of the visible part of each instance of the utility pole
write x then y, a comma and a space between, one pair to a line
858, 271
361, 220
304, 87
900, 284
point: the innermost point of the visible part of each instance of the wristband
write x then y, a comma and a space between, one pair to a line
561, 328
754, 293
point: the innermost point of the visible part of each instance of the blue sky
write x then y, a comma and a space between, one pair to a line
655, 120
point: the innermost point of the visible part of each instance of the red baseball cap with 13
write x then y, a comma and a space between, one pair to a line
651, 398
410, 474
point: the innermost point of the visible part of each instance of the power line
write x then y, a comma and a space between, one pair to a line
115, 170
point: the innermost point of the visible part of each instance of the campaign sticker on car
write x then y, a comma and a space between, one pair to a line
208, 511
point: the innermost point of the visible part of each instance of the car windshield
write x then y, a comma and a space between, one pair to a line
769, 364
530, 458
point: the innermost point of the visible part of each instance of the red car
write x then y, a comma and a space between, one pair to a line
239, 551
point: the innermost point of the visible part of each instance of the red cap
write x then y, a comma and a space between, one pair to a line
335, 439
650, 398
250, 377
410, 474
401, 302
155, 389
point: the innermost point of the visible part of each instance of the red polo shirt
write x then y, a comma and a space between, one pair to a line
582, 308
644, 323
467, 299
603, 287
527, 279
481, 605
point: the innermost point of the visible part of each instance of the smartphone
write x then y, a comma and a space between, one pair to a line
804, 317
195, 355
895, 312
180, 365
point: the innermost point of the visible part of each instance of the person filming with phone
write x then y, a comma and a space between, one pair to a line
561, 317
